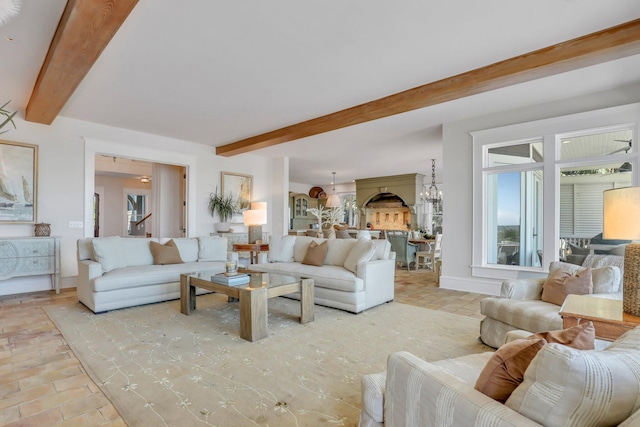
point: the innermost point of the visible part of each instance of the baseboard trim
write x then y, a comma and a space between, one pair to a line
479, 286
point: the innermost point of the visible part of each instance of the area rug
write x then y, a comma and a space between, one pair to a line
160, 367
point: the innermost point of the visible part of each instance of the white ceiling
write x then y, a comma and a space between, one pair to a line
215, 72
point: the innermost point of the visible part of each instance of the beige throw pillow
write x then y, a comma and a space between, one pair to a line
316, 253
505, 369
605, 279
560, 283
165, 254
581, 337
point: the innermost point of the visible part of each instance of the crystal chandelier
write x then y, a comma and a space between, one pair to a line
432, 194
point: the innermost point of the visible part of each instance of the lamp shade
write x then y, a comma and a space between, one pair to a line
333, 201
260, 206
255, 217
621, 214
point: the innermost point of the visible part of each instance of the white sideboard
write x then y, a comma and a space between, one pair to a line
30, 256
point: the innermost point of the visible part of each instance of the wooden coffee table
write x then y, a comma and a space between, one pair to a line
253, 298
606, 314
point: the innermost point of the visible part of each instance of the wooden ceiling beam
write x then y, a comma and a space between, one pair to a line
85, 29
603, 46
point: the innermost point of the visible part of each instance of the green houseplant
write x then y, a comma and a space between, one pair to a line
224, 206
9, 117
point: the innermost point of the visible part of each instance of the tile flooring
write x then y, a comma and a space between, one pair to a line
43, 384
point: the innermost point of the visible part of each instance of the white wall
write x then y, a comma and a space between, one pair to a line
61, 182
458, 175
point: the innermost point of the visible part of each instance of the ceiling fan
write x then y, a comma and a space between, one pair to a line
625, 149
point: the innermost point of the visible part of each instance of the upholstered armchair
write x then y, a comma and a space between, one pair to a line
405, 251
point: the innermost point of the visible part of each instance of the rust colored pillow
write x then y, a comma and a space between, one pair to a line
316, 253
581, 337
165, 254
505, 369
559, 284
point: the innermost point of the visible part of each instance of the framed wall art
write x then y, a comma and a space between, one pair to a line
239, 187
18, 182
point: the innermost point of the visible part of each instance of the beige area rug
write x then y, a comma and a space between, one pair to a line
160, 367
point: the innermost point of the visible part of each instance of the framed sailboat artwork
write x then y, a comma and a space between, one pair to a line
18, 182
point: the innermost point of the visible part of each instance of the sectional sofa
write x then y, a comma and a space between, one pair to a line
115, 272
356, 274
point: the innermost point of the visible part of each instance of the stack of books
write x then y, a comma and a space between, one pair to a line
238, 279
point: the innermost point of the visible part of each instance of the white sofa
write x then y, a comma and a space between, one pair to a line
350, 278
562, 387
520, 307
116, 272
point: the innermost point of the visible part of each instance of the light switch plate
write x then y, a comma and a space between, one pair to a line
75, 224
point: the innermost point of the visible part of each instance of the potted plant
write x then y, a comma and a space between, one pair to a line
9, 117
224, 206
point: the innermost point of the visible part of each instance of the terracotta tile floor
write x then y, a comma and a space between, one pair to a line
43, 384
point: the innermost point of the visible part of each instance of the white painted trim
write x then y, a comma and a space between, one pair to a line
488, 286
93, 146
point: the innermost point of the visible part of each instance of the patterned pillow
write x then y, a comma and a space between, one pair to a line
569, 387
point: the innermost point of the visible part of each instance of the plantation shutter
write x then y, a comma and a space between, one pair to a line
588, 208
566, 210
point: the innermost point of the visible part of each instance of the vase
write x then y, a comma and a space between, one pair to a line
223, 227
42, 230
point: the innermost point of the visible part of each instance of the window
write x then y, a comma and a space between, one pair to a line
538, 185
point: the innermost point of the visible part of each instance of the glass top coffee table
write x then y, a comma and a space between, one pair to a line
253, 298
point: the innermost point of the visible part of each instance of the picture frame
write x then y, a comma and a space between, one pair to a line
18, 182
240, 187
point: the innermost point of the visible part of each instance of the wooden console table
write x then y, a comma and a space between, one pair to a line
606, 314
252, 248
30, 256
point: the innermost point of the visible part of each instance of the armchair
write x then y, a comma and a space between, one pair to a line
405, 251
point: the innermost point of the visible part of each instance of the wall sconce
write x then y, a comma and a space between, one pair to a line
145, 180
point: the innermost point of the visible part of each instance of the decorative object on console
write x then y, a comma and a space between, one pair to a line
621, 213
18, 178
42, 230
8, 10
224, 206
333, 201
254, 218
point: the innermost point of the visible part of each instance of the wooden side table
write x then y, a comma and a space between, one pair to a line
606, 314
252, 248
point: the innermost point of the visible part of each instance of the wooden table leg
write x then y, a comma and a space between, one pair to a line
306, 300
187, 295
253, 314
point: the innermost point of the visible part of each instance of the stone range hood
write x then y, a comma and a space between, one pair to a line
392, 194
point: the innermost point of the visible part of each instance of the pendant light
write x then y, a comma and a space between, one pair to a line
333, 201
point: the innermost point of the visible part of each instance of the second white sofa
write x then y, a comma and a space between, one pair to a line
116, 272
356, 274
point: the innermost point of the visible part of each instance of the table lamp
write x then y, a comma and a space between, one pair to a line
622, 221
254, 218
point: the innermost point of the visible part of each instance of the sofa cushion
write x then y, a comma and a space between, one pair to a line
188, 248
326, 276
529, 315
138, 251
581, 337
131, 277
605, 278
316, 252
505, 369
569, 387
165, 254
108, 252
383, 247
560, 283
212, 248
281, 248
338, 251
362, 251
301, 245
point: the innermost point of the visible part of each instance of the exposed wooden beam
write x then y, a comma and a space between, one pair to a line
607, 45
85, 29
